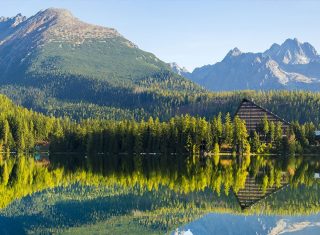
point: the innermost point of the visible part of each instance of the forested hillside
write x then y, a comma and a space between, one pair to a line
290, 105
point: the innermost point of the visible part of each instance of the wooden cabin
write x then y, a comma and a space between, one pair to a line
253, 115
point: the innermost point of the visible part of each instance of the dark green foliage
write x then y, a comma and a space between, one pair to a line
182, 134
21, 129
107, 102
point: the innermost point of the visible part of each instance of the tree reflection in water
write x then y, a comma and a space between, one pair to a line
156, 193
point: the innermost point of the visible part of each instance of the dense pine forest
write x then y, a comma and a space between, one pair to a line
185, 134
21, 129
142, 103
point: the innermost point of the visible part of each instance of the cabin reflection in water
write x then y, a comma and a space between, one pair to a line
253, 190
253, 193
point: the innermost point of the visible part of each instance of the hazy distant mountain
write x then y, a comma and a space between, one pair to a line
291, 65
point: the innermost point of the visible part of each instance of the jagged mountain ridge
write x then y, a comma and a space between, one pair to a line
291, 65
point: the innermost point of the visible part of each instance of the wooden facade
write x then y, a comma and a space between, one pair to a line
253, 114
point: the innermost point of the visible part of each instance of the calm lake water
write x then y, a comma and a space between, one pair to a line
157, 194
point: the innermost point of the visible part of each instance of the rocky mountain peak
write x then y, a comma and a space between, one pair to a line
177, 69
291, 42
57, 12
273, 49
67, 27
233, 53
12, 21
19, 18
292, 51
54, 25
58, 15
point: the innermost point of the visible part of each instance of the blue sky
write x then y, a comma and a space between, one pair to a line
192, 32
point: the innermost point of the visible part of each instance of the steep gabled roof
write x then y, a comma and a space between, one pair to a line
263, 109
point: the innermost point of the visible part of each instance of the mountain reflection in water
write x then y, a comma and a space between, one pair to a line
71, 194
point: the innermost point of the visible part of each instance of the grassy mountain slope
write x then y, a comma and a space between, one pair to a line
54, 42
54, 56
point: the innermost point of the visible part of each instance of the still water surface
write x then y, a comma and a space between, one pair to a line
102, 194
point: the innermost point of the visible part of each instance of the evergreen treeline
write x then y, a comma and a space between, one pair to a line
185, 134
21, 129
104, 102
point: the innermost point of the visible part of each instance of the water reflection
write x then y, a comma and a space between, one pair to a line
149, 194
251, 224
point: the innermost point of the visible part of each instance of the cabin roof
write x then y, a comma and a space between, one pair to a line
264, 109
